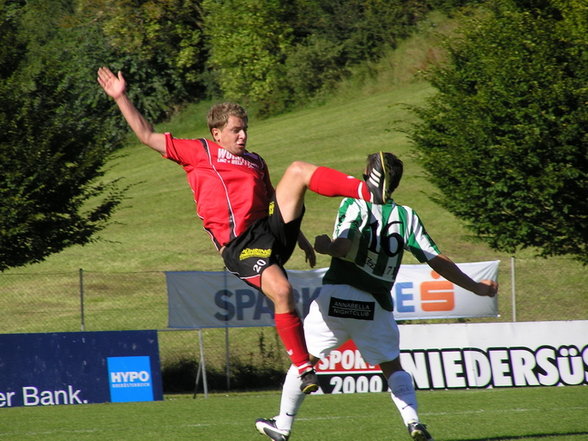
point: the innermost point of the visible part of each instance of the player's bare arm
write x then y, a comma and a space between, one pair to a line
448, 269
115, 87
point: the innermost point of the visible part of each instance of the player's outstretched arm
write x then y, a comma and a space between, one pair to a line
448, 269
115, 87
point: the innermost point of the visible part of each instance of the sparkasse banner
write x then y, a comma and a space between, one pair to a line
199, 299
474, 355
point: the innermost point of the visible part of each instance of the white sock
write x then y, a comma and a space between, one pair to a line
404, 395
292, 398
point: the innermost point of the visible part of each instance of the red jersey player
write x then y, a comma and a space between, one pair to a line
254, 226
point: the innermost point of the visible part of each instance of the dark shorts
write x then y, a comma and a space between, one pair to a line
266, 242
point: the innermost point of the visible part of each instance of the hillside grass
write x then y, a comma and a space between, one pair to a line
156, 228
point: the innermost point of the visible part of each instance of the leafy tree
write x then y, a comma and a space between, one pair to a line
158, 44
248, 40
53, 147
504, 138
278, 53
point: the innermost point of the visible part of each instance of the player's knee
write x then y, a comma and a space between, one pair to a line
283, 296
390, 367
300, 170
279, 291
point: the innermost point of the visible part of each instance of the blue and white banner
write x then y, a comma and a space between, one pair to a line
79, 368
199, 299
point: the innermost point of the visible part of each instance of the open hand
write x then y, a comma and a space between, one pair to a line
113, 85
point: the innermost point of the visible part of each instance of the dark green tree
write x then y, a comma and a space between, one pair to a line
53, 146
160, 47
505, 137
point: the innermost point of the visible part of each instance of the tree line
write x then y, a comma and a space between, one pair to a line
505, 138
58, 129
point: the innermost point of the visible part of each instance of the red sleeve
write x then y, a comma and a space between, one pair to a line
182, 151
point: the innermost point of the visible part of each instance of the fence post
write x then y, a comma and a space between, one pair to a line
201, 367
227, 341
513, 289
228, 359
82, 318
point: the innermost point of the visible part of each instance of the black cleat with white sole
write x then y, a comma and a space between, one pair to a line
309, 382
267, 427
378, 179
418, 432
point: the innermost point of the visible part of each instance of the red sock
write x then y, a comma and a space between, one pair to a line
289, 327
329, 182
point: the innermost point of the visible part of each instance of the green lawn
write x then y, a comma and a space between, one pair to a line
551, 413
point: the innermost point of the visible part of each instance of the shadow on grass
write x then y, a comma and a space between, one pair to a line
530, 436
180, 377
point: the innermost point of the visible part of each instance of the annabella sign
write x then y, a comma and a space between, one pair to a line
461, 356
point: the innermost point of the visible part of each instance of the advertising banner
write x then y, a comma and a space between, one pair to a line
79, 368
199, 299
466, 356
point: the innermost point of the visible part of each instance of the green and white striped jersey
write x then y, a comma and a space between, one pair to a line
379, 235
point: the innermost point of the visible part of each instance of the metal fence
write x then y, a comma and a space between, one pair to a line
85, 300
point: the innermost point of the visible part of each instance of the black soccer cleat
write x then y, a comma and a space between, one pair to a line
309, 382
268, 428
378, 179
418, 432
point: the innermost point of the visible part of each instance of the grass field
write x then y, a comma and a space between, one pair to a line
551, 413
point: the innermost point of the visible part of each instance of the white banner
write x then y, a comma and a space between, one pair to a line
199, 299
471, 355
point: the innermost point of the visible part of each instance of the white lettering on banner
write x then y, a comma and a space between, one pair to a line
129, 377
480, 355
6, 399
361, 384
33, 396
497, 367
347, 359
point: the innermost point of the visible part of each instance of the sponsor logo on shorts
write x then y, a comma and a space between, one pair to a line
255, 252
271, 208
351, 309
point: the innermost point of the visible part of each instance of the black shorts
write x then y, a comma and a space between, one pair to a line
266, 242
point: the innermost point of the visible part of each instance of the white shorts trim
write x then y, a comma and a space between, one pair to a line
377, 339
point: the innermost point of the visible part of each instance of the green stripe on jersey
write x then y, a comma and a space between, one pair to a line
379, 235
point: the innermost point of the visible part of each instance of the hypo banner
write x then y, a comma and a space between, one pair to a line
218, 299
79, 368
466, 356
